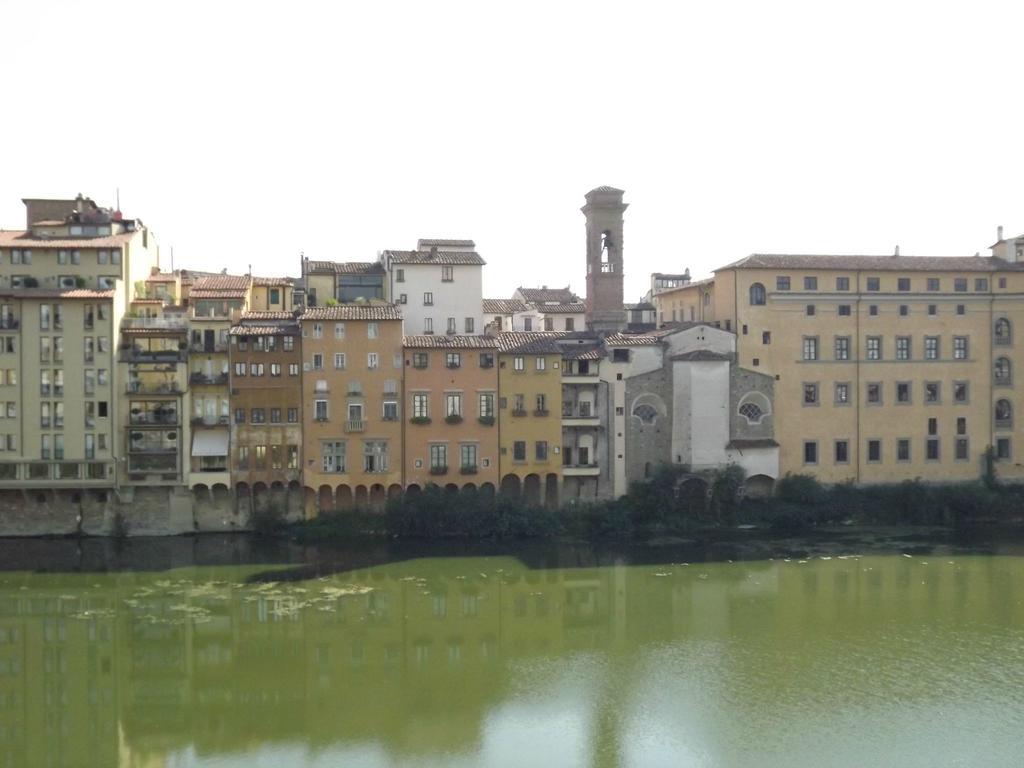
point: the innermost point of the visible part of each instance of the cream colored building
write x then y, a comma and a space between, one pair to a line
65, 282
887, 368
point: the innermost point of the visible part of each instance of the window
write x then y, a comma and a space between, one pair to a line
293, 369
842, 393
452, 404
903, 393
428, 325
541, 450
275, 415
403, 298
332, 454
486, 359
844, 310
1002, 280
540, 363
239, 415
932, 392
874, 451
933, 426
372, 361
339, 331
243, 457
255, 369
390, 410
960, 284
275, 295
981, 284
903, 449
961, 391
931, 449
842, 347
542, 405
842, 283
420, 405
419, 359
810, 394
810, 310
932, 310
810, 283
842, 452
1003, 451
318, 330
902, 347
960, 348
931, 347
766, 337
438, 456
873, 284
239, 369
470, 325
375, 456
519, 364
1002, 372
447, 273
428, 299
372, 330
904, 310
467, 455
810, 452
320, 410
1002, 331
874, 393
961, 309
486, 404
874, 348
570, 324
257, 416
961, 425
527, 323
549, 323
399, 275
519, 450
1004, 414
453, 360
810, 347
782, 283
275, 369
451, 326
933, 284
757, 295
293, 415
288, 343
318, 361
903, 284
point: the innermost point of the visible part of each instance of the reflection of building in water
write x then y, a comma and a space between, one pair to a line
411, 656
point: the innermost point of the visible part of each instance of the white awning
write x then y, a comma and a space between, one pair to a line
210, 442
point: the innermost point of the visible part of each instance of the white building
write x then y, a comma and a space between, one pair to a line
553, 309
506, 314
438, 286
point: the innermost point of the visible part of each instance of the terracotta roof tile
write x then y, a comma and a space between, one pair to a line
441, 257
271, 282
450, 342
561, 309
162, 277
263, 314
23, 239
345, 267
873, 263
554, 295
503, 306
631, 339
283, 329
353, 312
529, 341
425, 243
46, 293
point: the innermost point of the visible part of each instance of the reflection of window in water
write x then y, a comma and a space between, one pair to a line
440, 603
541, 605
454, 652
470, 605
422, 653
520, 606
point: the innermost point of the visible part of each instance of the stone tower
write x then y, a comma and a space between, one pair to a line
605, 312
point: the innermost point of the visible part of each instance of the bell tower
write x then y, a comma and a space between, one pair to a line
605, 312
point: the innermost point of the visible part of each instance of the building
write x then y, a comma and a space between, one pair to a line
604, 304
439, 286
344, 282
507, 315
692, 302
553, 309
65, 285
529, 408
351, 395
266, 408
887, 367
450, 429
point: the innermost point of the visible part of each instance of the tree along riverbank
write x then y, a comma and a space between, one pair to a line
672, 501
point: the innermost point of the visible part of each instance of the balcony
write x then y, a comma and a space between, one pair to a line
45, 474
439, 470
140, 355
167, 323
152, 388
205, 378
419, 420
580, 470
469, 469
580, 378
487, 421
542, 412
210, 421
355, 426
9, 323
209, 349
518, 412
153, 419
453, 418
579, 416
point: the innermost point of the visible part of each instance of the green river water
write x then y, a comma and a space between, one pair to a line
817, 655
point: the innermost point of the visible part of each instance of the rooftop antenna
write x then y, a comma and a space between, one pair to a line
117, 197
172, 259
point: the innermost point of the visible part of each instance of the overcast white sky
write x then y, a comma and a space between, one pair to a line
246, 132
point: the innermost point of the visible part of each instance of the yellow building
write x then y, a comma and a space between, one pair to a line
887, 367
691, 302
64, 286
529, 415
351, 395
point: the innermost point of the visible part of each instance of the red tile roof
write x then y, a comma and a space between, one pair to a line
529, 341
271, 282
873, 263
353, 312
47, 293
440, 257
503, 306
561, 309
555, 295
220, 287
450, 342
23, 239
264, 314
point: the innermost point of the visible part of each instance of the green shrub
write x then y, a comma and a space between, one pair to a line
800, 489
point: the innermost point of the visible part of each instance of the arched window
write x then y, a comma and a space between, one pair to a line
1004, 414
646, 413
1003, 331
707, 299
1003, 372
757, 294
753, 407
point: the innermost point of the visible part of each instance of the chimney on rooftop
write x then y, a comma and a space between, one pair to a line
897, 252
433, 251
999, 233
